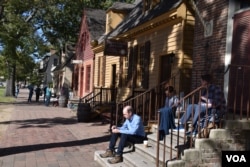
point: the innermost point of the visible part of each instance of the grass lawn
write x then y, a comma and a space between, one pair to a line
4, 98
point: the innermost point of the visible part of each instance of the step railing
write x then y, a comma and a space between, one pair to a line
86, 98
144, 104
147, 103
191, 98
100, 96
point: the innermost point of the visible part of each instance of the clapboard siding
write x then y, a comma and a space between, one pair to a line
174, 35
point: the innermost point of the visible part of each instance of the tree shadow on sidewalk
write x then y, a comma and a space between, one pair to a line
50, 122
37, 147
42, 122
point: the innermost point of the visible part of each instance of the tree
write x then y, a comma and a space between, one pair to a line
3, 71
29, 27
17, 36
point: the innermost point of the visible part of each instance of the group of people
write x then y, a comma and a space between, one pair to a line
37, 90
132, 130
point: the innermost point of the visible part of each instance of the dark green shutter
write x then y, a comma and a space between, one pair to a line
146, 61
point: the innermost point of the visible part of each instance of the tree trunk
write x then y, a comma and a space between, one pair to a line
8, 91
9, 83
13, 79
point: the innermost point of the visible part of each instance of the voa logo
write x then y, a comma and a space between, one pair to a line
236, 158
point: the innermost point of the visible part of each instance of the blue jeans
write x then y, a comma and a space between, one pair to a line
47, 100
198, 110
124, 138
30, 96
16, 93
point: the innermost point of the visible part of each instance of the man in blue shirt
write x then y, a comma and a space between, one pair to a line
131, 131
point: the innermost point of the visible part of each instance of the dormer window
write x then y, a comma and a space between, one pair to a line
147, 4
150, 4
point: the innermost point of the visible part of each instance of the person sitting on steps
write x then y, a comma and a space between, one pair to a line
212, 97
167, 113
171, 100
132, 131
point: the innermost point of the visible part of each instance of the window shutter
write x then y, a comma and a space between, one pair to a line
135, 57
130, 67
146, 60
132, 61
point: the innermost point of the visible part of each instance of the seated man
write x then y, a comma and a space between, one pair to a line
131, 131
212, 97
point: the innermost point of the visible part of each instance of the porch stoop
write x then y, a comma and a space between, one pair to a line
144, 156
206, 153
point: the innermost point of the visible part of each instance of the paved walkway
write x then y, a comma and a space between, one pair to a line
40, 136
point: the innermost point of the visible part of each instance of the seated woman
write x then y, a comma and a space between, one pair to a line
167, 113
172, 100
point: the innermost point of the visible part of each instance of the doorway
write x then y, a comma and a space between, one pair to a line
113, 79
165, 70
239, 79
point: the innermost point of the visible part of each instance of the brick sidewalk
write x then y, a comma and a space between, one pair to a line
40, 136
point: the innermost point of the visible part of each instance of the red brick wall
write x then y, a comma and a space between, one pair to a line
209, 52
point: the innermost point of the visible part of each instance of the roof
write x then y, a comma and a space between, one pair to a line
68, 60
96, 20
126, 7
136, 17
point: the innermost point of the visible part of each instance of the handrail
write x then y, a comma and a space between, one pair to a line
198, 89
81, 99
135, 98
101, 94
87, 100
162, 83
194, 91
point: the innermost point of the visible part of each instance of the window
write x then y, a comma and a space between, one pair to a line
55, 62
88, 78
76, 74
138, 63
147, 4
244, 4
125, 72
208, 29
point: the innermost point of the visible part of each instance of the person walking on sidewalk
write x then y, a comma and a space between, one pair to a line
38, 91
48, 96
44, 94
131, 131
17, 90
31, 89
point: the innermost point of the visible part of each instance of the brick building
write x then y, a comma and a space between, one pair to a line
222, 49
